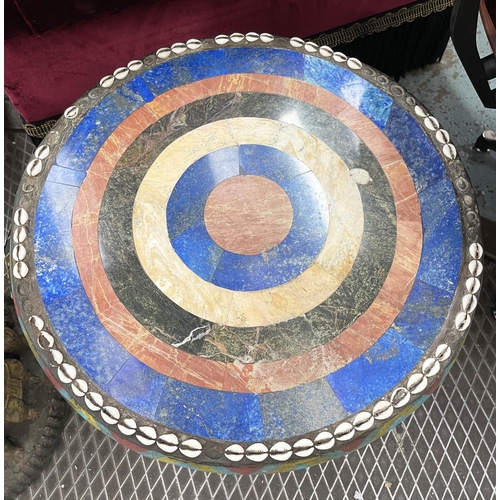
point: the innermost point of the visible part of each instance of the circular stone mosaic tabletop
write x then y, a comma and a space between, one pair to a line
246, 254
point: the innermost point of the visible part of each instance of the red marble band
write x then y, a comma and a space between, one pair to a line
260, 377
248, 214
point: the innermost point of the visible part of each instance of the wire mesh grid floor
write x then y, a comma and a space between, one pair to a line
445, 450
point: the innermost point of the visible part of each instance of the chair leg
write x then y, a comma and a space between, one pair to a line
486, 142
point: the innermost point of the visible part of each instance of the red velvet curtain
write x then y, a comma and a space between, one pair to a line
46, 71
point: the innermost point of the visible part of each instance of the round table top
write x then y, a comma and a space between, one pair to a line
246, 254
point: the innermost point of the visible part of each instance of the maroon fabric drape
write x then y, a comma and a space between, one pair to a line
46, 71
52, 14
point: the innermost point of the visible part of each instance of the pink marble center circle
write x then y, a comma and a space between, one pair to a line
248, 214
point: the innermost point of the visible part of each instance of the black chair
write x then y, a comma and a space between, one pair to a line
479, 70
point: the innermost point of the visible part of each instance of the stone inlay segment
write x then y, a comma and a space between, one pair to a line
248, 214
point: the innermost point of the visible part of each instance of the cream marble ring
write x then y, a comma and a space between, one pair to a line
260, 307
